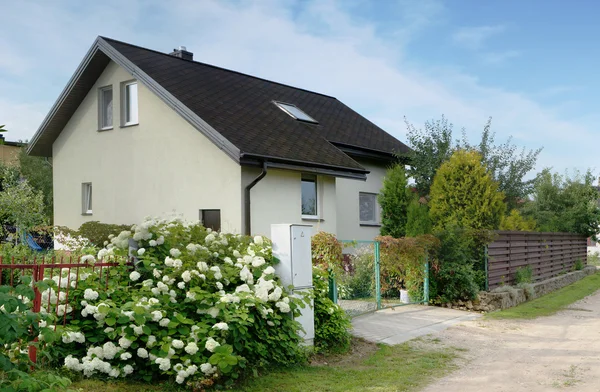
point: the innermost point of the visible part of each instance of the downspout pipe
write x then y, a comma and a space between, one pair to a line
247, 212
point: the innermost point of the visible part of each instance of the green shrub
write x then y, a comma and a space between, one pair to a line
524, 275
578, 265
359, 282
459, 274
332, 324
516, 222
418, 221
19, 325
201, 307
394, 198
327, 251
98, 232
529, 290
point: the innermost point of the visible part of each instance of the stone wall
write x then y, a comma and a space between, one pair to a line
512, 296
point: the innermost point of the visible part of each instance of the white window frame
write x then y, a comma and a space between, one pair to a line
101, 108
317, 202
375, 211
86, 198
125, 107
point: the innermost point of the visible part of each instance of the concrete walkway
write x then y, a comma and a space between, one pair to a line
398, 325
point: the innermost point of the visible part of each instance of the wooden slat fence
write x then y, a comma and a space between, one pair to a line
548, 254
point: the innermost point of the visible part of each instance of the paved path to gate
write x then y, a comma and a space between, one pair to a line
398, 325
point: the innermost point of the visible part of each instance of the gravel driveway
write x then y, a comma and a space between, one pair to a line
560, 352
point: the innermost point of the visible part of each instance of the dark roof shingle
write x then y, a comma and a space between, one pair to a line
240, 107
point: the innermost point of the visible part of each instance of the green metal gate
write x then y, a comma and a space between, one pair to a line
358, 288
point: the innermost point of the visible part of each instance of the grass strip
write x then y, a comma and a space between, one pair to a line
549, 304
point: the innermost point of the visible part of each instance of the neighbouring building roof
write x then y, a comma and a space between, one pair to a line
236, 111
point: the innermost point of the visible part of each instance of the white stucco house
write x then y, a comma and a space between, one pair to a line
138, 132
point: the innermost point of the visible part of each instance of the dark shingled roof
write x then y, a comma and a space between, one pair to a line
240, 107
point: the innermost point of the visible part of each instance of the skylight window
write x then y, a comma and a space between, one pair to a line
295, 112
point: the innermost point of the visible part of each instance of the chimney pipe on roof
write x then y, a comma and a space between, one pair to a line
182, 53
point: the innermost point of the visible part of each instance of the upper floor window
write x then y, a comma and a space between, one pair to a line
367, 208
129, 104
105, 108
86, 198
309, 196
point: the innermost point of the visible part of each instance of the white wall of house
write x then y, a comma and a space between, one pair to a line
347, 191
161, 166
277, 199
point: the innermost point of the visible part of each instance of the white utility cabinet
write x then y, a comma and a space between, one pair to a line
291, 246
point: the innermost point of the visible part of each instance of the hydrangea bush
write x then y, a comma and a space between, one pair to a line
197, 305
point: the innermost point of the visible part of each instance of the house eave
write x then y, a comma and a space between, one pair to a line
303, 166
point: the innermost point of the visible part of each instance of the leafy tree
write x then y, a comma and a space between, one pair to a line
564, 203
394, 199
430, 148
38, 172
464, 194
433, 146
20, 204
2, 130
516, 222
418, 221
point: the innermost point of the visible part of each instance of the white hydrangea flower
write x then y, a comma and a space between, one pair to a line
160, 240
164, 363
257, 261
191, 295
214, 312
202, 266
141, 251
181, 285
177, 343
127, 369
207, 369
221, 326
109, 350
228, 260
211, 344
152, 243
276, 294
283, 307
138, 329
219, 285
244, 288
125, 343
175, 252
209, 238
164, 322
269, 270
186, 276
237, 254
258, 240
134, 276
151, 341
125, 356
246, 275
156, 273
191, 348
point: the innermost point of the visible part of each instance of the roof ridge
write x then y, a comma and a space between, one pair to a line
217, 67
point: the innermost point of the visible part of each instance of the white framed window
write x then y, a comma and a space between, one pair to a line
129, 103
310, 199
367, 208
105, 108
86, 198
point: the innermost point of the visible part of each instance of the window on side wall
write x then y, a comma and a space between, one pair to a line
367, 208
105, 108
211, 219
86, 198
310, 200
129, 104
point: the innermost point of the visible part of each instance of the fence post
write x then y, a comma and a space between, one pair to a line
377, 275
37, 302
487, 276
426, 282
333, 295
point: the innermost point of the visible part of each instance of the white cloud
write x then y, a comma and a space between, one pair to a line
474, 37
316, 45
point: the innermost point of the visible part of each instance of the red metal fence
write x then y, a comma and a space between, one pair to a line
548, 254
65, 272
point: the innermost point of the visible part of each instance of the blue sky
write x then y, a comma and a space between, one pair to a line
530, 65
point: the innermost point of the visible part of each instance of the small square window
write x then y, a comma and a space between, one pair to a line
105, 108
211, 219
129, 105
86, 198
309, 196
367, 207
295, 112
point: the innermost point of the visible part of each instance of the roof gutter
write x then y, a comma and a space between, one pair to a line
247, 212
